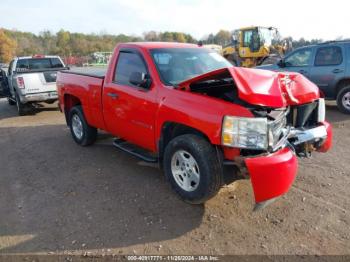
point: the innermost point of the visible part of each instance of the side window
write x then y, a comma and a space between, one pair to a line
247, 36
126, 65
299, 58
330, 55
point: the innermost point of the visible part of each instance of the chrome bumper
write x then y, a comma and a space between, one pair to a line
39, 97
310, 135
296, 137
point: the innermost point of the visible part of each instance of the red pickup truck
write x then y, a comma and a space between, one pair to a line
188, 109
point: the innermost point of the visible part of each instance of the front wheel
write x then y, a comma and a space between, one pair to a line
83, 134
343, 100
192, 167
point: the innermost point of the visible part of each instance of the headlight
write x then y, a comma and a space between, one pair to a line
242, 132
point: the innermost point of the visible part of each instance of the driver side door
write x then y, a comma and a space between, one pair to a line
129, 110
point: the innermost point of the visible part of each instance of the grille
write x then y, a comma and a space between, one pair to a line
303, 115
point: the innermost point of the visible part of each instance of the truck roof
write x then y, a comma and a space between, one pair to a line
345, 42
36, 56
151, 45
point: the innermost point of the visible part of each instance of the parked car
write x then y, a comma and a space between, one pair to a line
31, 80
3, 83
326, 64
188, 109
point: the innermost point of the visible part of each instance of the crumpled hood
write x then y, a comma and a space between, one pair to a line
266, 88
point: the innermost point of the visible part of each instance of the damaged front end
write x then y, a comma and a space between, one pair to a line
288, 122
302, 128
296, 132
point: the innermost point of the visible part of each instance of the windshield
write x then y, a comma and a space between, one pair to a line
178, 64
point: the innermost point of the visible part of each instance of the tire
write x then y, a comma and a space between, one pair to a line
21, 108
50, 101
83, 134
11, 102
208, 169
343, 100
232, 59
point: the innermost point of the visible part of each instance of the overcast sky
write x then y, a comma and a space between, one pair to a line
326, 19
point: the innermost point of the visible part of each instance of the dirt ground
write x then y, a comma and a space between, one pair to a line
58, 197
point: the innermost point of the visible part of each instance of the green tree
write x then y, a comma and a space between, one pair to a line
63, 41
179, 37
223, 37
167, 37
151, 36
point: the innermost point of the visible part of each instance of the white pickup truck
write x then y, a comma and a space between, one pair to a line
32, 79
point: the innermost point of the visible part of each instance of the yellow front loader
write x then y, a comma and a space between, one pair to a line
256, 45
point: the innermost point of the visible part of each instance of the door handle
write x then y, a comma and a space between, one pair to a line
113, 95
302, 71
337, 70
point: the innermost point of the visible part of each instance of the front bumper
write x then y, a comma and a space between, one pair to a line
272, 174
39, 97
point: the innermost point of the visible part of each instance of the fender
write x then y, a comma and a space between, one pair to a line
198, 115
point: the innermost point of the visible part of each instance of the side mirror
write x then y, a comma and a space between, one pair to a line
140, 79
281, 63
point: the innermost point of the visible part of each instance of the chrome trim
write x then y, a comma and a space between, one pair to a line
309, 135
284, 140
313, 134
321, 114
272, 127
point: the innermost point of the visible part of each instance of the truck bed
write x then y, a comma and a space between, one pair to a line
98, 72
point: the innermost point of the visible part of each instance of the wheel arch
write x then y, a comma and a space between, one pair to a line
69, 102
170, 130
341, 83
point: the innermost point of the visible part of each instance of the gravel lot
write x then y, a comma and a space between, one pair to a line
58, 197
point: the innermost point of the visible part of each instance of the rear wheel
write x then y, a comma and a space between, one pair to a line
83, 134
343, 100
192, 167
21, 108
10, 101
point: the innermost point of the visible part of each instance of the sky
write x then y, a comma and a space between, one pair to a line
325, 19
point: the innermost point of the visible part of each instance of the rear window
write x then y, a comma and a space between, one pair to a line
38, 64
330, 55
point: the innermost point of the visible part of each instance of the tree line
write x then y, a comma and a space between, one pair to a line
66, 44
